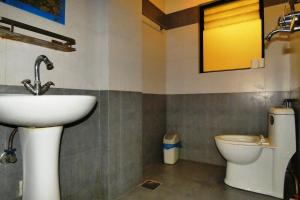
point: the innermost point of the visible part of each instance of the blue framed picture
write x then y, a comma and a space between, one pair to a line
51, 9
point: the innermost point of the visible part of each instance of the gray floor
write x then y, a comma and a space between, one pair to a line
190, 181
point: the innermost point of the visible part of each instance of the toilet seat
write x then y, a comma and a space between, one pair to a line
239, 149
246, 140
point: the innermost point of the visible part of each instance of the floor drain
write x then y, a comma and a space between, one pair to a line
150, 184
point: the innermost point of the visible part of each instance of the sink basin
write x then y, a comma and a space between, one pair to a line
40, 121
44, 111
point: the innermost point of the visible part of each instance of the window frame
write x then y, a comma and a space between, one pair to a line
201, 29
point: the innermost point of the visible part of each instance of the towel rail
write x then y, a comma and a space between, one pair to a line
65, 43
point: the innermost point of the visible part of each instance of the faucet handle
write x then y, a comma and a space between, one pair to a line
26, 81
46, 87
49, 83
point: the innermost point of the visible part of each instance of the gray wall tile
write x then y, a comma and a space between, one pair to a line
154, 128
102, 157
122, 164
200, 117
78, 176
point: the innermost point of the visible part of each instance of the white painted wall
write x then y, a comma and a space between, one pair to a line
124, 36
295, 60
277, 55
182, 62
109, 47
80, 69
154, 58
117, 51
154, 55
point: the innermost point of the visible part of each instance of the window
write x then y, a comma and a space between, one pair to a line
231, 35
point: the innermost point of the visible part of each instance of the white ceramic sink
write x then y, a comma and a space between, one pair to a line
45, 110
40, 121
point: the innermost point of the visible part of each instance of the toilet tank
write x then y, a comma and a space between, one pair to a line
282, 131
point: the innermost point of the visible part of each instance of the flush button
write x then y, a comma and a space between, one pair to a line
271, 120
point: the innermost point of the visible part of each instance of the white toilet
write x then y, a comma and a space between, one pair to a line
258, 164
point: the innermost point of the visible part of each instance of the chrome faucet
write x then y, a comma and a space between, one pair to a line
288, 23
37, 88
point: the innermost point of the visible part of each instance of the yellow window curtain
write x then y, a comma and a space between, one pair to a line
232, 35
231, 13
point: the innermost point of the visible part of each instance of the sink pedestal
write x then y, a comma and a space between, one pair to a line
40, 146
40, 150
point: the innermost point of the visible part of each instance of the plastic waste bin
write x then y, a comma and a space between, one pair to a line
171, 146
